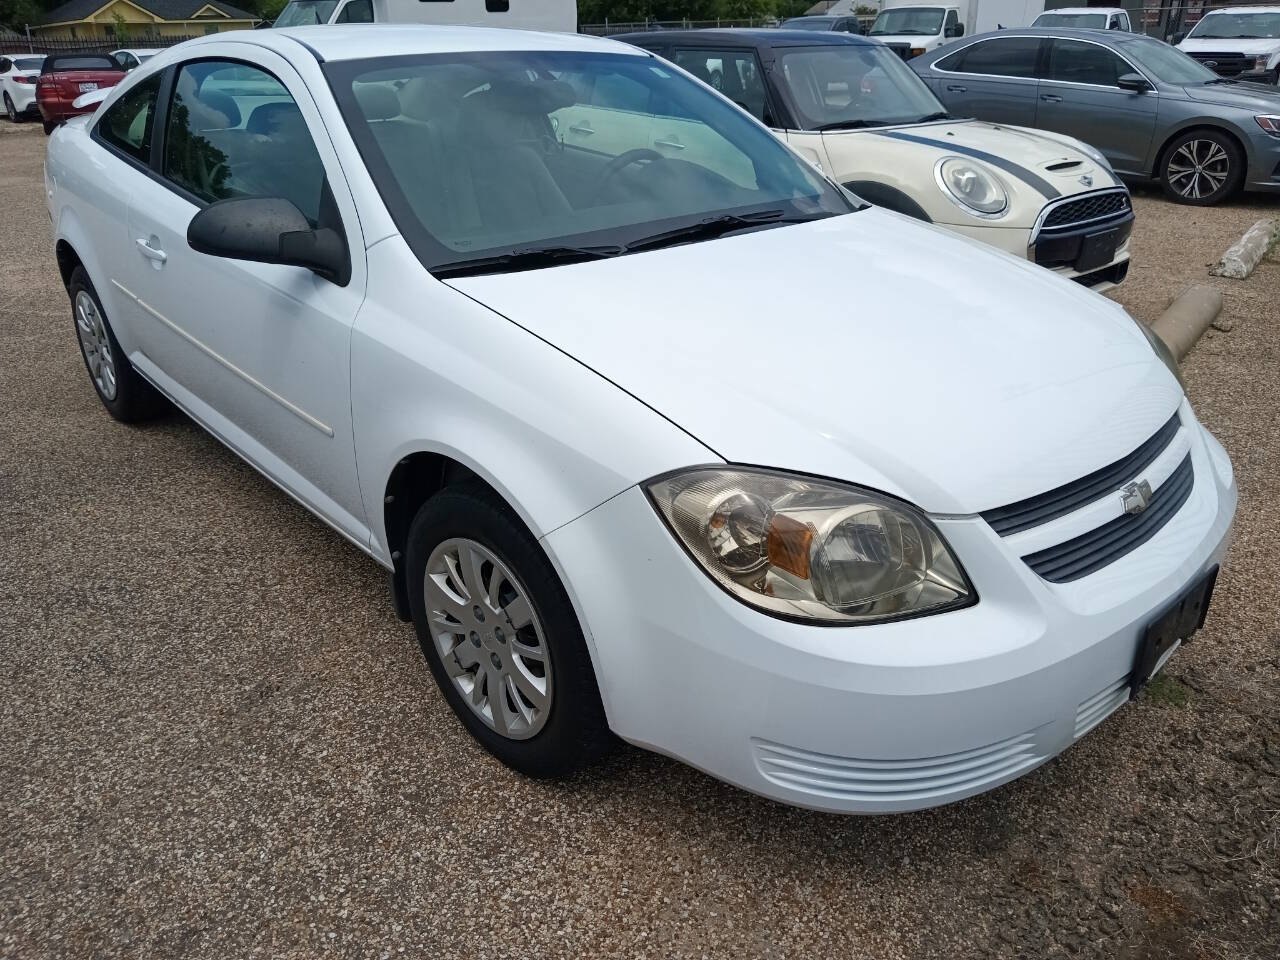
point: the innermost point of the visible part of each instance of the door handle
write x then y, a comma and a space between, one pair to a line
1050, 98
150, 252
956, 88
672, 144
582, 129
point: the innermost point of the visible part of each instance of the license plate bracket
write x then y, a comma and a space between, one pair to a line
1097, 250
1183, 617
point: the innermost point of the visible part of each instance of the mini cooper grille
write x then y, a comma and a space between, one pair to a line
1082, 555
895, 781
1072, 496
1095, 207
1225, 64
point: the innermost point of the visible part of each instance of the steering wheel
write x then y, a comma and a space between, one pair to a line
617, 165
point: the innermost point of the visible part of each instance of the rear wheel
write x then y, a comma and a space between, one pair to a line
1201, 168
10, 110
124, 393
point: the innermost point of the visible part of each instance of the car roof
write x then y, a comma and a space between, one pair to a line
754, 37
1272, 9
1076, 10
136, 50
372, 40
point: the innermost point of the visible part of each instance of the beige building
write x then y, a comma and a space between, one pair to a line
119, 20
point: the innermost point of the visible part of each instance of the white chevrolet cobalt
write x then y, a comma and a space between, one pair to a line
698, 450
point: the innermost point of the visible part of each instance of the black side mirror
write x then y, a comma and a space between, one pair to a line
1177, 38
1133, 82
269, 230
955, 30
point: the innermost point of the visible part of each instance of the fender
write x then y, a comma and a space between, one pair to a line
891, 198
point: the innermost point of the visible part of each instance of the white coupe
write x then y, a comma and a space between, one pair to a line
702, 452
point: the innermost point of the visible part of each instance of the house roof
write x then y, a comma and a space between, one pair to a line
76, 10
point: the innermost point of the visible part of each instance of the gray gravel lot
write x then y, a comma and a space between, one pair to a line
217, 741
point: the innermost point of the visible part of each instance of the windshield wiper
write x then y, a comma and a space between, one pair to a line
716, 227
528, 258
940, 115
1221, 80
850, 125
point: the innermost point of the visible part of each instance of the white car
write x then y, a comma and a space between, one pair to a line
134, 57
1092, 18
837, 506
18, 75
1238, 42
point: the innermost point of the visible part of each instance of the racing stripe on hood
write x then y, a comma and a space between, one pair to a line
1022, 173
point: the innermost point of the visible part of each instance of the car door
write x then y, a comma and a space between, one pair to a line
259, 353
991, 80
1078, 96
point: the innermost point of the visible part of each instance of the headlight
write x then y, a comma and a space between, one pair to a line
1261, 62
972, 187
1271, 124
1162, 351
809, 549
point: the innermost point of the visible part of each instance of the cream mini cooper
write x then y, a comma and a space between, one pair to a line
852, 107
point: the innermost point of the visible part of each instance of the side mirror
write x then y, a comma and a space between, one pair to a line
955, 30
269, 230
1177, 38
1133, 82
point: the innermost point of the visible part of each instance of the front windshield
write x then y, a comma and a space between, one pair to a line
489, 155
1237, 26
902, 21
301, 13
1164, 62
807, 23
1091, 20
854, 86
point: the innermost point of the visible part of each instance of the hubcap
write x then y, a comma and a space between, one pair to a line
1198, 169
96, 345
488, 638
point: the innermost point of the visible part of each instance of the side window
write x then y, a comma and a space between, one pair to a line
734, 73
497, 6
1124, 23
234, 131
1073, 61
4, 65
357, 11
952, 18
127, 124
1002, 57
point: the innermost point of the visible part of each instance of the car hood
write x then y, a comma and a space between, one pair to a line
1032, 157
913, 39
868, 347
1246, 96
1250, 47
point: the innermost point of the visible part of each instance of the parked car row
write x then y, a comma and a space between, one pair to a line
658, 431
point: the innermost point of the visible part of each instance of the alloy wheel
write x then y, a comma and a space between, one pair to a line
1198, 169
96, 345
10, 110
488, 637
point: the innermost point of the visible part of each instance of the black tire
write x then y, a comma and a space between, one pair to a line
134, 399
575, 731
1219, 178
10, 110
49, 127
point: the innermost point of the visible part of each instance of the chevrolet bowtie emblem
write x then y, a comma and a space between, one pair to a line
1087, 180
1136, 497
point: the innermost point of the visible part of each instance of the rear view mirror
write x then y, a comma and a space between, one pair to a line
269, 230
955, 30
1133, 82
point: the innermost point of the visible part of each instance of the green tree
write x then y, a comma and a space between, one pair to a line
15, 14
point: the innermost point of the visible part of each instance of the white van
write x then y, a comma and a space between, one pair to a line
558, 16
911, 28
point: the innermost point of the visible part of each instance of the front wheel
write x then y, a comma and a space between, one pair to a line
500, 635
1202, 168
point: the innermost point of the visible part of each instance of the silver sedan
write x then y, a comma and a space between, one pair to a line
1154, 112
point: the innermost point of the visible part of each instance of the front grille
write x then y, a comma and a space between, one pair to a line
1070, 497
896, 781
1225, 64
1095, 206
1101, 705
1089, 552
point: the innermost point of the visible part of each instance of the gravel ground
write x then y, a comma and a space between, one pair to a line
217, 741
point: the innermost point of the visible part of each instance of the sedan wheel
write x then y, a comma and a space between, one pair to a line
488, 638
10, 109
98, 355
1201, 168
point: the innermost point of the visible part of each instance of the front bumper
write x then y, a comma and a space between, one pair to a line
24, 100
1017, 241
881, 718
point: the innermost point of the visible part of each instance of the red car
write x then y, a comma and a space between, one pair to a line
65, 76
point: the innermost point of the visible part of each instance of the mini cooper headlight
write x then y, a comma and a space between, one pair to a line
972, 187
812, 550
